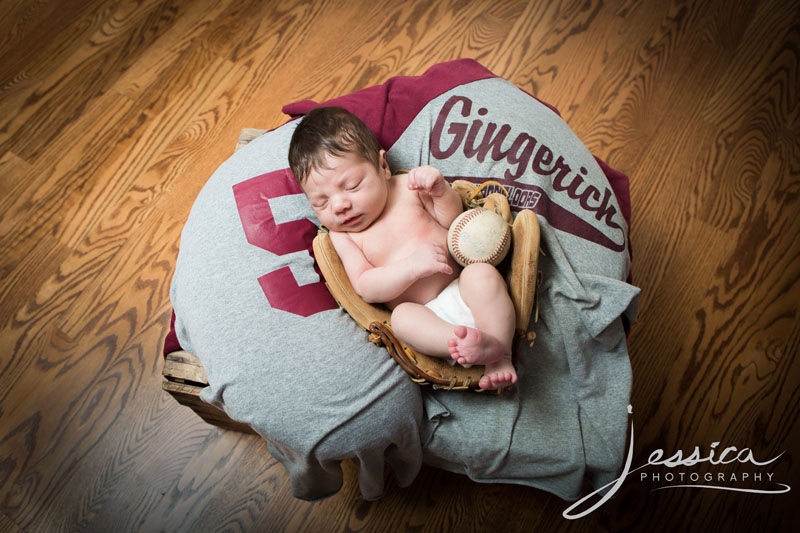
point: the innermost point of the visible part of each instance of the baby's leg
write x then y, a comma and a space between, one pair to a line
484, 291
421, 329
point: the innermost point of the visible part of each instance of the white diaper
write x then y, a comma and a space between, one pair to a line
450, 307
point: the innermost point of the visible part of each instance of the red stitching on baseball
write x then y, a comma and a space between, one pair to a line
460, 226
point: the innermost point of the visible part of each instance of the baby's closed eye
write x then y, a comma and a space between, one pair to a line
353, 185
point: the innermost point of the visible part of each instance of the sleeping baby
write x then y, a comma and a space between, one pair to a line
390, 233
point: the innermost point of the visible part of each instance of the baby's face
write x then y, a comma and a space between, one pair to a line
350, 193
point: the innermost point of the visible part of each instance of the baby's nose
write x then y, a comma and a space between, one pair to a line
340, 204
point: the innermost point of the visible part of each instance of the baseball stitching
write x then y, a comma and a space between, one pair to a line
460, 226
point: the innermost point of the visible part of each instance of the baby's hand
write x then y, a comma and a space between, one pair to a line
430, 259
428, 179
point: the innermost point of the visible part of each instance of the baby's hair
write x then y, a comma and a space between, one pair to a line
334, 131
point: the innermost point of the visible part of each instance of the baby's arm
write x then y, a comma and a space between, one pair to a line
439, 199
385, 283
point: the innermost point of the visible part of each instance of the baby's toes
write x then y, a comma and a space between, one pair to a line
459, 358
504, 379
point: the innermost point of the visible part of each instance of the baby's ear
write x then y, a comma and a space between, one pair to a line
383, 163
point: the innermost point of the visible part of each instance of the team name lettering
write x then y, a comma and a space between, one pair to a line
478, 141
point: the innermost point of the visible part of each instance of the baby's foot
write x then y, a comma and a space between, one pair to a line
498, 375
474, 347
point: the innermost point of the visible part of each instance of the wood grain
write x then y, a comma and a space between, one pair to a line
113, 113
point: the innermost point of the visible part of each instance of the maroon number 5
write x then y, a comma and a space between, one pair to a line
280, 286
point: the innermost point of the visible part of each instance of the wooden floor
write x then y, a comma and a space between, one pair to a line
114, 113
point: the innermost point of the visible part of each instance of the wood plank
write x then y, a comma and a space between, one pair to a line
85, 74
11, 170
247, 135
186, 32
22, 280
56, 183
183, 367
36, 35
7, 525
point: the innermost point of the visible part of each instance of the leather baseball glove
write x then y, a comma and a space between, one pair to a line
521, 275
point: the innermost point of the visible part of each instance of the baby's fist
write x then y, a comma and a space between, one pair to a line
426, 178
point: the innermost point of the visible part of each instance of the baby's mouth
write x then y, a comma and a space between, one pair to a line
350, 221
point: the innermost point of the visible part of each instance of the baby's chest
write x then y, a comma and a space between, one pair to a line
398, 234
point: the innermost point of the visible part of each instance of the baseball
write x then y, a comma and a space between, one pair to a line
479, 236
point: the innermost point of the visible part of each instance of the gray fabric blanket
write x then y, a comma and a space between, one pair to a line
281, 356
